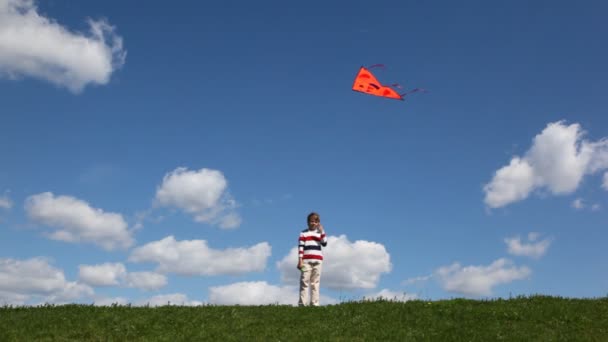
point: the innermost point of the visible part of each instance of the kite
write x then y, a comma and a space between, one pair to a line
367, 83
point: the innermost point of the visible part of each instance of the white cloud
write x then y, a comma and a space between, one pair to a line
201, 193
346, 265
11, 298
24, 280
69, 294
599, 158
558, 160
109, 301
230, 220
33, 276
146, 216
578, 203
252, 293
178, 299
108, 274
194, 257
511, 183
479, 280
386, 294
35, 46
531, 249
77, 221
5, 202
115, 274
605, 181
146, 280
533, 236
258, 293
559, 157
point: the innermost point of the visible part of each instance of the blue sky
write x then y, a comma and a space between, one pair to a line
162, 153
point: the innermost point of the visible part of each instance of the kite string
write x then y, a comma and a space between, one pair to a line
376, 66
397, 85
415, 90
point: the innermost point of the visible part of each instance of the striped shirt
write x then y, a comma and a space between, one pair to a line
309, 245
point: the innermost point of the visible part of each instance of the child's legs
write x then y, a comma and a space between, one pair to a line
315, 281
304, 284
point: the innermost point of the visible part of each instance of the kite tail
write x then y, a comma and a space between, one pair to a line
414, 91
376, 66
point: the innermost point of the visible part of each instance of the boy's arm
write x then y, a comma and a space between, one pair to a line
323, 235
300, 250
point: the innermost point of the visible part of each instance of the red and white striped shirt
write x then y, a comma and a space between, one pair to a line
309, 245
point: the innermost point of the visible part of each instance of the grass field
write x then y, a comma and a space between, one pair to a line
535, 318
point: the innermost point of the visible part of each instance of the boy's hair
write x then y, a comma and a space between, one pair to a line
313, 215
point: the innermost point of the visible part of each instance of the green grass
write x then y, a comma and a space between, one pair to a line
536, 318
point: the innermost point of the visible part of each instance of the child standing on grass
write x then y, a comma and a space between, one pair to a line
310, 258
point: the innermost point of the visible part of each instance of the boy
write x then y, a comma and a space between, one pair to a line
310, 258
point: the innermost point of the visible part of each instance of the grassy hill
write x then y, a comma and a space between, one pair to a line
536, 318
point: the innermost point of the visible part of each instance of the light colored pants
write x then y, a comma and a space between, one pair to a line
310, 280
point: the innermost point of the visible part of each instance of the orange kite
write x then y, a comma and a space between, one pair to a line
367, 83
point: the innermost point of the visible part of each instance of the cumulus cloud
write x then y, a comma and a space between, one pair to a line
510, 184
558, 160
5, 202
578, 203
70, 293
257, 293
12, 298
115, 274
532, 248
202, 193
252, 293
146, 280
76, 221
194, 257
33, 45
22, 281
479, 280
346, 265
109, 301
175, 299
108, 274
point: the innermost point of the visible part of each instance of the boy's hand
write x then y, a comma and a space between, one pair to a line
320, 227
